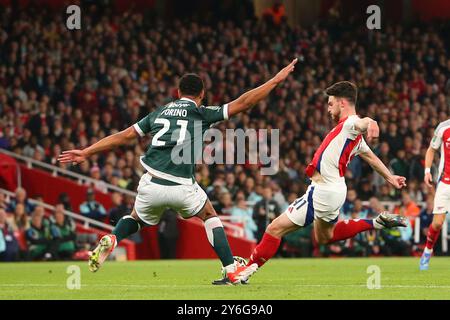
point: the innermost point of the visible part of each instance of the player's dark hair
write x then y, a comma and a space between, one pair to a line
191, 85
343, 89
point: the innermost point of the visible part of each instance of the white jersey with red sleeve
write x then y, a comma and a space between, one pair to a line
337, 150
441, 140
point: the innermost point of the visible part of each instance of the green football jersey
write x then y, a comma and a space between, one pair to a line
177, 138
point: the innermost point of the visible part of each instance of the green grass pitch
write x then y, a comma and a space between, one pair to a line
295, 279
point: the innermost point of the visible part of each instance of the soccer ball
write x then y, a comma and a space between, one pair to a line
238, 261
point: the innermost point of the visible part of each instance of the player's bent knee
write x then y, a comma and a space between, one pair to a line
437, 224
438, 221
275, 229
207, 212
135, 216
205, 215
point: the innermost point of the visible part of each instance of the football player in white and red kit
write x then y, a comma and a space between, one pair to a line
326, 194
440, 141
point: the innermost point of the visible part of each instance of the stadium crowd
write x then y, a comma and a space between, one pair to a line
29, 233
62, 89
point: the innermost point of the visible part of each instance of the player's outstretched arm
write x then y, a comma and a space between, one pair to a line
429, 156
378, 165
369, 126
120, 138
252, 97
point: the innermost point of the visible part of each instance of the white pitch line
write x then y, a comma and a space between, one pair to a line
382, 286
207, 285
101, 285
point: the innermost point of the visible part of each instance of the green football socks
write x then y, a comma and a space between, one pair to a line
218, 240
125, 228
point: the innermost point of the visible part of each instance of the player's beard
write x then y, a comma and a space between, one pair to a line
336, 116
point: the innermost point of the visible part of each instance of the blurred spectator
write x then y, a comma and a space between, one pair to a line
230, 184
39, 238
9, 246
63, 233
126, 180
118, 208
218, 187
278, 196
91, 208
225, 204
264, 212
21, 197
366, 190
355, 167
33, 149
3, 204
426, 217
64, 199
4, 141
98, 184
414, 191
347, 208
398, 165
253, 192
299, 243
408, 208
203, 177
243, 213
19, 220
39, 198
386, 193
359, 210
168, 234
375, 207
